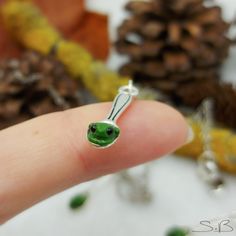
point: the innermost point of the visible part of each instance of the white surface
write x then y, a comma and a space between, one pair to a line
179, 196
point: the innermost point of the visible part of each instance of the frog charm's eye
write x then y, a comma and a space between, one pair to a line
109, 131
92, 128
105, 133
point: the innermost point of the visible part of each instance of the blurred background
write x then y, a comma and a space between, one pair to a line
55, 55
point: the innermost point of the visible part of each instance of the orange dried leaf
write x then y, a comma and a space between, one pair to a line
63, 14
92, 33
8, 46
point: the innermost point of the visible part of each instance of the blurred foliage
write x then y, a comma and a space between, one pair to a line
27, 24
75, 23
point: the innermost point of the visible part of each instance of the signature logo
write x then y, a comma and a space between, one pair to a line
219, 227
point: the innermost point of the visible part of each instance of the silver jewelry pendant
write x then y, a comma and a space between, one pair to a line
104, 133
207, 164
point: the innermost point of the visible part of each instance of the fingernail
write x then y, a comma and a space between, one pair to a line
190, 135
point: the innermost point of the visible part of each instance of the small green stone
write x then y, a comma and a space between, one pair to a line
78, 201
177, 231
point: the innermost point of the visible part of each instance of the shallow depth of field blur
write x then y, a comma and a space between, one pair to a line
149, 199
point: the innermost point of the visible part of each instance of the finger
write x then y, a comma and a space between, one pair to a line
49, 154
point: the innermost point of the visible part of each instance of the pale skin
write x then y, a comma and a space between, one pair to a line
49, 154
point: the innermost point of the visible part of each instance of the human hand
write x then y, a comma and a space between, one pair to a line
48, 154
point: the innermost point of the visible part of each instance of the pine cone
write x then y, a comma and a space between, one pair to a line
222, 94
34, 85
172, 42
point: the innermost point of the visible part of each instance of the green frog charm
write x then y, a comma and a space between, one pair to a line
103, 134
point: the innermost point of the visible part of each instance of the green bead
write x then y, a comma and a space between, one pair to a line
177, 231
78, 201
102, 134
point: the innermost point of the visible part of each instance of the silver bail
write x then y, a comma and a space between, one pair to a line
122, 101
